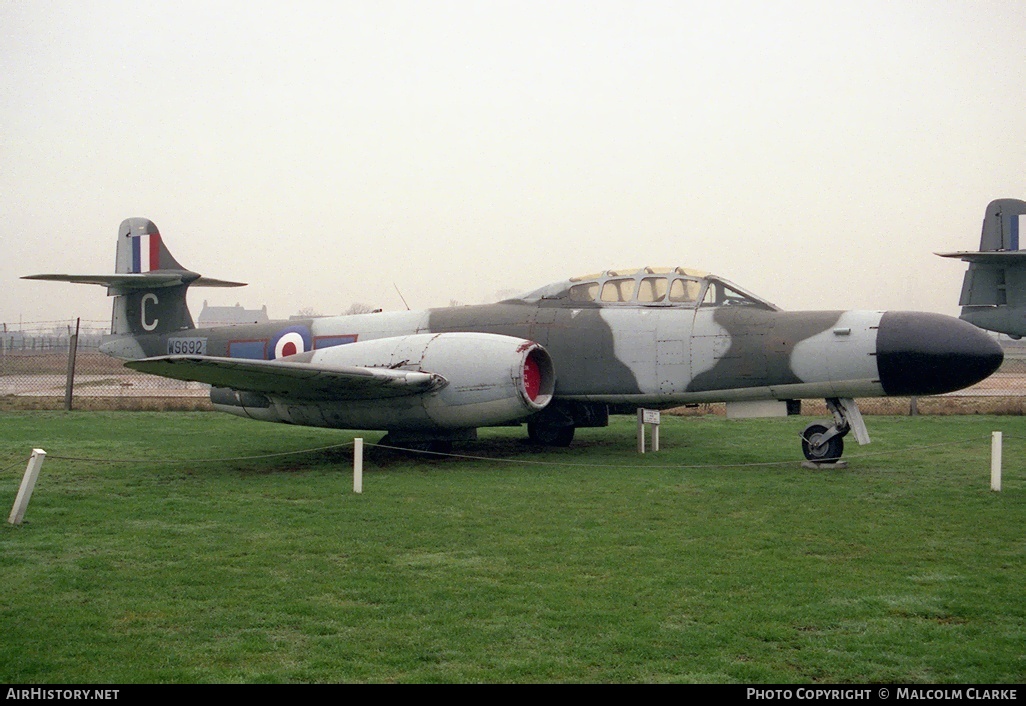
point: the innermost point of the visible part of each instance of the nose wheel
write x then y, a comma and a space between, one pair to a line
819, 445
823, 441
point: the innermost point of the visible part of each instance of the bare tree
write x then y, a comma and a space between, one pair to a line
359, 308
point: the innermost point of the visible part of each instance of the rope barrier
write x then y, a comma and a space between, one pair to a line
576, 465
200, 460
762, 464
678, 466
14, 465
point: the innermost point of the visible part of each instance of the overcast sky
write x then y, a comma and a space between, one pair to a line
816, 153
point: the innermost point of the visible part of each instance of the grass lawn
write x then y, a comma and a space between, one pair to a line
588, 564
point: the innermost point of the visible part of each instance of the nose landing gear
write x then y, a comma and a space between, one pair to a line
823, 442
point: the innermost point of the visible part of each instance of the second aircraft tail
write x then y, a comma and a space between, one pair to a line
994, 287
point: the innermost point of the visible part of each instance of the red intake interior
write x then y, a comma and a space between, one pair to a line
532, 377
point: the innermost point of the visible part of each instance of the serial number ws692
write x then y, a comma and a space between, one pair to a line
186, 346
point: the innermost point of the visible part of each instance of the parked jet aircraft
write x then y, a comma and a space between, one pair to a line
994, 287
559, 357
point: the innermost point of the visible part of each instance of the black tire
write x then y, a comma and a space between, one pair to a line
830, 451
548, 435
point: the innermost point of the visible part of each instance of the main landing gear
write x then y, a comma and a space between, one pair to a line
543, 434
555, 425
438, 442
823, 442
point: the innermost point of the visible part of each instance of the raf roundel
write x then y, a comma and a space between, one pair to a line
290, 341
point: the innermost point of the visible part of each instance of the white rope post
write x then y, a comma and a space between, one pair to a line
995, 461
357, 465
28, 482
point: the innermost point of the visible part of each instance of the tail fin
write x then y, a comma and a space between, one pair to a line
141, 249
148, 306
1000, 266
149, 284
1004, 220
994, 287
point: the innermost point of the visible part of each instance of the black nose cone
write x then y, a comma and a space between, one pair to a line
928, 354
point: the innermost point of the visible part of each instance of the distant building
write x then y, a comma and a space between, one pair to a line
230, 316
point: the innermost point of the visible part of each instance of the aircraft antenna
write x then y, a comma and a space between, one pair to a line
401, 296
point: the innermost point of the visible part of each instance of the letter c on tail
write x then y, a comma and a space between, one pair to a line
142, 311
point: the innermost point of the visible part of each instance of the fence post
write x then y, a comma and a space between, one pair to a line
358, 465
28, 483
995, 461
70, 383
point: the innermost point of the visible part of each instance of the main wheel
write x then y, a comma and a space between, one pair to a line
814, 451
549, 435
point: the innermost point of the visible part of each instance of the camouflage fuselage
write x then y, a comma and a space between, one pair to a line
647, 355
559, 357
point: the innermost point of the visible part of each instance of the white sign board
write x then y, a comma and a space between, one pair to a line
650, 418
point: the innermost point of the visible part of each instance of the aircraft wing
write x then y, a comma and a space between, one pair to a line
309, 381
993, 257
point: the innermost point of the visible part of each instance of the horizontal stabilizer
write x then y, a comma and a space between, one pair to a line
211, 282
306, 381
990, 257
147, 280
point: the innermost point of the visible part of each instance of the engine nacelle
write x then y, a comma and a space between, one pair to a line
489, 379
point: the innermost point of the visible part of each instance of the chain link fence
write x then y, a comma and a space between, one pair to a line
34, 374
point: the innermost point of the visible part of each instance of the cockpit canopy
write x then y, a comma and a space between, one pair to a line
648, 286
